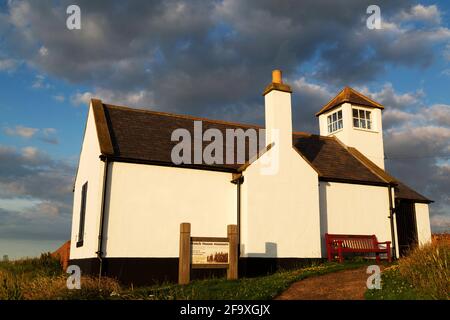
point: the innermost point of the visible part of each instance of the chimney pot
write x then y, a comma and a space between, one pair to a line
276, 76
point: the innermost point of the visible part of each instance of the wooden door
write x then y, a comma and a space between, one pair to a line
405, 214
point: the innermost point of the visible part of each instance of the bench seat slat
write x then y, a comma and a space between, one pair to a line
341, 243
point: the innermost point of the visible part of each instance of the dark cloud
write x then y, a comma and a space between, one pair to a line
214, 58
417, 148
33, 225
198, 58
31, 177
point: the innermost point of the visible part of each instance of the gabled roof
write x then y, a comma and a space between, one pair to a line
143, 136
332, 161
404, 192
349, 95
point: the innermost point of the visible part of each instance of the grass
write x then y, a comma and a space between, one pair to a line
258, 288
423, 274
42, 278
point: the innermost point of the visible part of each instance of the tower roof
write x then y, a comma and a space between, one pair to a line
349, 95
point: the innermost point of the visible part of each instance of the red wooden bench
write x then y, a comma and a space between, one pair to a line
338, 244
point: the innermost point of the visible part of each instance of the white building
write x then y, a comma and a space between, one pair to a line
130, 196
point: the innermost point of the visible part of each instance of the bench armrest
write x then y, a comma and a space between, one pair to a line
384, 245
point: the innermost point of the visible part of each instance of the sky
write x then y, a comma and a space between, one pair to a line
209, 59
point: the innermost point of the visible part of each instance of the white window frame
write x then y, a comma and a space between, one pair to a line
335, 121
363, 120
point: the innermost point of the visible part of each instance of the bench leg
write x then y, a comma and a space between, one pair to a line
341, 256
330, 255
377, 257
388, 249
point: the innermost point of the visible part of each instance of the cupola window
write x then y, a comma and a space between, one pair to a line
334, 121
362, 119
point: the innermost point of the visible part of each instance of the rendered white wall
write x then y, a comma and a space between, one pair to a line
280, 194
368, 142
280, 212
278, 118
354, 209
423, 223
90, 170
147, 204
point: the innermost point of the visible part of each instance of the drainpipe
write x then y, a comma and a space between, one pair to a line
238, 179
391, 218
102, 214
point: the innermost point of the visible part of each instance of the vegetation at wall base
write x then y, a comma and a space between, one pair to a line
43, 278
424, 274
258, 288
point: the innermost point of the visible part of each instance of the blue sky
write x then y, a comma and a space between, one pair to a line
151, 54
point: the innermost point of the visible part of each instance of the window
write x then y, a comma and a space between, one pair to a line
362, 119
82, 215
334, 121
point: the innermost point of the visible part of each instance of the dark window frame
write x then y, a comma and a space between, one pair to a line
82, 219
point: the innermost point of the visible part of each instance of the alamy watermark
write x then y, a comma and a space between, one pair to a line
374, 20
237, 147
374, 280
74, 280
73, 21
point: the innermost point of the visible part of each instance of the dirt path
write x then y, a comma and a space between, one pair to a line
342, 285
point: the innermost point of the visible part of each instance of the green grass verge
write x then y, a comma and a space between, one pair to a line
42, 278
45, 265
423, 274
258, 288
395, 287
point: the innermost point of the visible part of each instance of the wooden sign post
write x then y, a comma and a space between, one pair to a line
232, 271
184, 264
207, 252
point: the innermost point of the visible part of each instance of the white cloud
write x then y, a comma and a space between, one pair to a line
39, 82
81, 98
440, 222
447, 56
43, 51
391, 99
49, 136
8, 65
59, 97
30, 153
48, 131
48, 208
139, 98
21, 131
423, 13
439, 113
18, 204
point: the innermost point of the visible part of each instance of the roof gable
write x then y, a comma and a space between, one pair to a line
349, 95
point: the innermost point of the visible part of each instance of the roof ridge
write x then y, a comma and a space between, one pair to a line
345, 96
302, 133
102, 127
176, 115
330, 101
365, 97
372, 166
